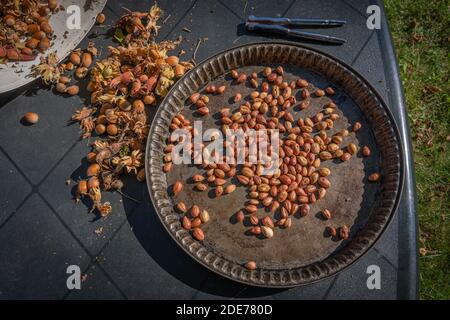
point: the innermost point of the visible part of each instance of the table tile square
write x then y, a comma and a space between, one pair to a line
14, 188
207, 19
37, 249
369, 64
352, 283
37, 148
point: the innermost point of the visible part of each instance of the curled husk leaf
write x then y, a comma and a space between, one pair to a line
104, 209
48, 69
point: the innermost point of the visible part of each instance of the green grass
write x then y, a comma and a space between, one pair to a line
420, 29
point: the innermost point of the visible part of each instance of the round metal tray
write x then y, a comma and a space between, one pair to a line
302, 253
16, 74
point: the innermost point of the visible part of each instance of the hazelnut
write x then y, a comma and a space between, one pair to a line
31, 117
100, 18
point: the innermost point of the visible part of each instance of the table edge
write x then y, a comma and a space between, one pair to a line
408, 268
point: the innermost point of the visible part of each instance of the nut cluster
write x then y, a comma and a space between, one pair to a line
194, 219
25, 29
305, 145
135, 75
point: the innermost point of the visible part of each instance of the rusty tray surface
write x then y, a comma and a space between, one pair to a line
301, 254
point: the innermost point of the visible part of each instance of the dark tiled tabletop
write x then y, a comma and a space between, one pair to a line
42, 230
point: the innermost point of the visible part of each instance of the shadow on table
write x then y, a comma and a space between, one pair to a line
30, 89
153, 237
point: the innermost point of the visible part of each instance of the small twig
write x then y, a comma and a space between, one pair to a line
199, 41
245, 7
186, 30
166, 19
126, 9
127, 196
432, 255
